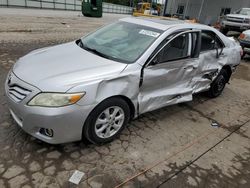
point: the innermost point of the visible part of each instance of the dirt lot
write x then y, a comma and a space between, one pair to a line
172, 147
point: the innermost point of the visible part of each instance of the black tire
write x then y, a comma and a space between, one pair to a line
218, 84
224, 30
89, 126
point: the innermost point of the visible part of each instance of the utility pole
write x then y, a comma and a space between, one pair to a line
165, 7
186, 8
199, 15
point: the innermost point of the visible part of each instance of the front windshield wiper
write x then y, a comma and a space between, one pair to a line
79, 43
93, 50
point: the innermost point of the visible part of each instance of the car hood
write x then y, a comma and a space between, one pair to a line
238, 16
64, 66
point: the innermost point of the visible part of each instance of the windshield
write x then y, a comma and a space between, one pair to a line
244, 11
121, 41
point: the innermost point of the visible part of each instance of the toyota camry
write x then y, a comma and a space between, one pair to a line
92, 87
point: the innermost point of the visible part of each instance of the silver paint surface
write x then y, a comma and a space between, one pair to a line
68, 68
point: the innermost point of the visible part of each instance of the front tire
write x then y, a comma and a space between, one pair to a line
218, 84
106, 121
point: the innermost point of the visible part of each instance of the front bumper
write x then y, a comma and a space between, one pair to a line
66, 122
234, 26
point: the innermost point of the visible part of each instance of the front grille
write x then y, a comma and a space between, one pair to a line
18, 93
237, 20
234, 28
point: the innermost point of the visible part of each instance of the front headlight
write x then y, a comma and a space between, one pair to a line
55, 99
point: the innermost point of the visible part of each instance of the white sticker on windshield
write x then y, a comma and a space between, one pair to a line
149, 33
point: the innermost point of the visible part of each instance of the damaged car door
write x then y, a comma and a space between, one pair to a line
211, 54
167, 78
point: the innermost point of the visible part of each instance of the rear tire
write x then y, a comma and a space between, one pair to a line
106, 121
218, 84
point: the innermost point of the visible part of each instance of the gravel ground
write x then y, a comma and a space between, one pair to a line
171, 147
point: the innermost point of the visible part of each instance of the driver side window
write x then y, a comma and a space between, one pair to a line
176, 49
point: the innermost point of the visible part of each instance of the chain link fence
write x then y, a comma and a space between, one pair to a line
64, 5
118, 9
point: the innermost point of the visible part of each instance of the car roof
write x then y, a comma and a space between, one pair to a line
165, 24
162, 23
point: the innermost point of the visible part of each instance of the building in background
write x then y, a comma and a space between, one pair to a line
75, 5
205, 11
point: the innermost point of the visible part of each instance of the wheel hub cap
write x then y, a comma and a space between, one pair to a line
109, 122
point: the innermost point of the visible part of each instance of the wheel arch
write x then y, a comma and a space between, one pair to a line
126, 99
228, 69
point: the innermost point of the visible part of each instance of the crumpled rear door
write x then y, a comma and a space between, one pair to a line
167, 84
212, 58
208, 69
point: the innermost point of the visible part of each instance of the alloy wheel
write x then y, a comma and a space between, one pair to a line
109, 122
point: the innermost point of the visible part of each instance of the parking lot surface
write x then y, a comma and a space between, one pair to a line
172, 147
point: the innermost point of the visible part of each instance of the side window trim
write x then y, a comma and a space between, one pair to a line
162, 47
196, 45
187, 36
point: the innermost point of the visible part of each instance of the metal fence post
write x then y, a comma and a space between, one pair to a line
73, 5
199, 15
165, 7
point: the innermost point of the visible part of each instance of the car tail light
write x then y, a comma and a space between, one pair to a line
242, 36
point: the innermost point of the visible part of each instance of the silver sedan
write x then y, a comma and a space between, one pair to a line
93, 86
244, 40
